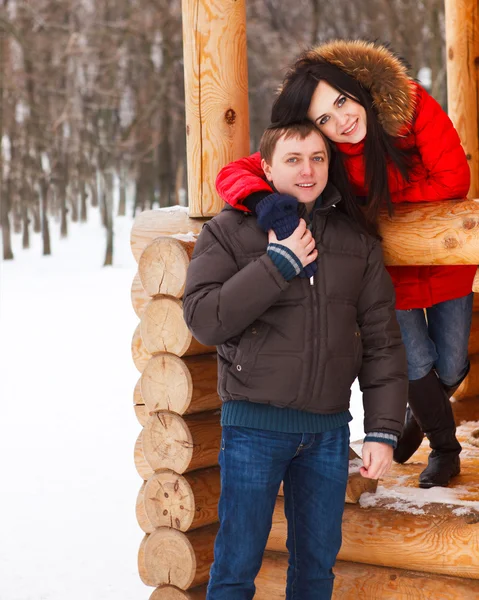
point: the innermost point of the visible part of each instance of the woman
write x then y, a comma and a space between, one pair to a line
398, 145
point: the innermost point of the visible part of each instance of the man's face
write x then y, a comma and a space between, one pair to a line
299, 167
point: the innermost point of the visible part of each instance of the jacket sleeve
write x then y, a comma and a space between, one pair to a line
239, 179
221, 300
383, 375
441, 153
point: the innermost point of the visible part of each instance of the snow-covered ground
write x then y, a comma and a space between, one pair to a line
67, 427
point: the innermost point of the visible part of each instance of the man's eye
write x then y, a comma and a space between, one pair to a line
292, 159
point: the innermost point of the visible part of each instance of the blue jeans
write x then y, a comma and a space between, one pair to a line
439, 341
253, 463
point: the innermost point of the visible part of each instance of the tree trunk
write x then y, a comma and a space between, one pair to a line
122, 204
108, 213
45, 226
26, 225
83, 202
63, 210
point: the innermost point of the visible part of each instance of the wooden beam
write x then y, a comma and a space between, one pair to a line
432, 233
462, 49
355, 581
216, 95
389, 538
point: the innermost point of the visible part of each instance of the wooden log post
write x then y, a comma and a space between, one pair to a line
462, 51
216, 95
163, 329
182, 385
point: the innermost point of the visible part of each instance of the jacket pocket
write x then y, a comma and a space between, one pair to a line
247, 351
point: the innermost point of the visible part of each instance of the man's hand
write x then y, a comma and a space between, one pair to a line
301, 242
377, 459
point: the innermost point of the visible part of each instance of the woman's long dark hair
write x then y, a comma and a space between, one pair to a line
292, 105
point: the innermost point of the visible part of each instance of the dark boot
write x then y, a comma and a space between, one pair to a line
410, 439
433, 412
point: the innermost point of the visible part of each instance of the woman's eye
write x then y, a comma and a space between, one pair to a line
341, 101
318, 158
292, 159
324, 120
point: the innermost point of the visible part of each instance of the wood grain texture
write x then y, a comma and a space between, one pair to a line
183, 385
163, 264
150, 224
355, 581
180, 444
183, 502
140, 510
142, 467
139, 298
432, 233
434, 542
169, 556
163, 329
170, 592
462, 51
216, 95
141, 411
139, 353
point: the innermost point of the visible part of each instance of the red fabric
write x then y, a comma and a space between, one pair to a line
440, 172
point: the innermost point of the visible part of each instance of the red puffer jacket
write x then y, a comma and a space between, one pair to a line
441, 173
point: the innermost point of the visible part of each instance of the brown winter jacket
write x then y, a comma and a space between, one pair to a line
293, 344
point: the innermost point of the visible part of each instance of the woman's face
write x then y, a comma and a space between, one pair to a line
341, 119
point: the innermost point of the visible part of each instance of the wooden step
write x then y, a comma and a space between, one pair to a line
366, 582
353, 582
402, 526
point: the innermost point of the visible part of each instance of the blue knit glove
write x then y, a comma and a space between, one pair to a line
279, 212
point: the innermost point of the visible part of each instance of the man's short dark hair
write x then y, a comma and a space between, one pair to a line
301, 130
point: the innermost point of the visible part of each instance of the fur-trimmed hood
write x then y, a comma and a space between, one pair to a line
381, 72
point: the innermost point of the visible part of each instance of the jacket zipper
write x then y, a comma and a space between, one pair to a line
316, 320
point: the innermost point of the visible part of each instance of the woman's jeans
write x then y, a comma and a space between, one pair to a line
439, 341
253, 463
